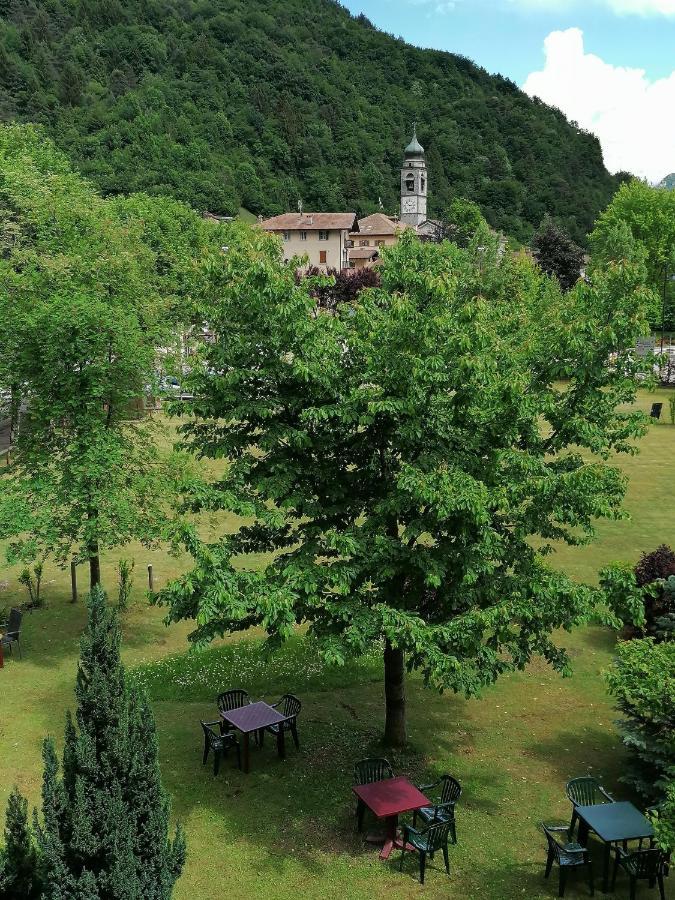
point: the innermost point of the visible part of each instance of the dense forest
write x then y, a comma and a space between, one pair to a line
258, 103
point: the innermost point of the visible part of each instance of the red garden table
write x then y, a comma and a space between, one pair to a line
251, 718
388, 799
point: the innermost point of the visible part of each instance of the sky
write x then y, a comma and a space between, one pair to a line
607, 64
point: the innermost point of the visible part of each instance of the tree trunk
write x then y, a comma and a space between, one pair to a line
394, 692
94, 566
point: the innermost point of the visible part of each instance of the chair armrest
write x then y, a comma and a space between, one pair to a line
409, 829
427, 787
211, 724
606, 794
558, 828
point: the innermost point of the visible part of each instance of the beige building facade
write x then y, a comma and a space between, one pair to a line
374, 232
322, 237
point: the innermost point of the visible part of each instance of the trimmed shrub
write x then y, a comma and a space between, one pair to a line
642, 680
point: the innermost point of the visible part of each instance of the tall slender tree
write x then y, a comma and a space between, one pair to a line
410, 460
19, 877
105, 819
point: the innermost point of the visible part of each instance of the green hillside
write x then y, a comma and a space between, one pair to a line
256, 103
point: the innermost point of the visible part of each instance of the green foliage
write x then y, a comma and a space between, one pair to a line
557, 254
125, 581
459, 223
649, 215
105, 819
261, 103
663, 820
91, 300
642, 681
32, 581
671, 404
19, 876
400, 456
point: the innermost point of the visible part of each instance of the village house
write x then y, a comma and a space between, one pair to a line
322, 237
374, 232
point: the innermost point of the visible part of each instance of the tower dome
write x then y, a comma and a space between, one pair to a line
414, 148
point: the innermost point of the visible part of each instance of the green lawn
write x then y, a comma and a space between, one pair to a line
287, 829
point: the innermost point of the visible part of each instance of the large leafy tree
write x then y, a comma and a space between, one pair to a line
648, 213
409, 460
105, 820
88, 299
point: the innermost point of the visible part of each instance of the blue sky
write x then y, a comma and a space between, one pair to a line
605, 63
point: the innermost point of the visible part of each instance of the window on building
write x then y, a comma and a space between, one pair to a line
286, 235
323, 235
379, 243
410, 183
303, 235
422, 184
322, 255
350, 243
364, 243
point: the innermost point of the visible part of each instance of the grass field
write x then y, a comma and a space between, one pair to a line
287, 829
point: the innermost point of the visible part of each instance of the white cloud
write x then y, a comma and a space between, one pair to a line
633, 117
621, 7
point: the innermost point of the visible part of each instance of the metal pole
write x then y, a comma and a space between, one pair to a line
150, 579
663, 304
73, 581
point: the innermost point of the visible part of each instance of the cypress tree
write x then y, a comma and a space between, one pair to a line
106, 816
18, 862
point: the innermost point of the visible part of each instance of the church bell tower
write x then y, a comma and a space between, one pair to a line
414, 184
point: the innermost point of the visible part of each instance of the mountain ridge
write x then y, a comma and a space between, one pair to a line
259, 103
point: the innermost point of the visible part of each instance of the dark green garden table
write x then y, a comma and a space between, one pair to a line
613, 823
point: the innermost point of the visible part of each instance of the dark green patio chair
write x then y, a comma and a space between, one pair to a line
11, 631
585, 791
427, 841
229, 700
443, 809
288, 706
220, 744
649, 865
568, 855
366, 771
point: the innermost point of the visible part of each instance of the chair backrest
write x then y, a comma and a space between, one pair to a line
585, 791
554, 847
211, 736
655, 412
451, 790
437, 835
366, 771
645, 863
290, 705
232, 700
14, 621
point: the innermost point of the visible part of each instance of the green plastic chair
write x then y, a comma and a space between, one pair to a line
427, 841
367, 771
443, 809
569, 855
650, 865
585, 791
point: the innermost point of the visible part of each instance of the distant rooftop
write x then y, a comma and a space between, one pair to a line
378, 223
311, 222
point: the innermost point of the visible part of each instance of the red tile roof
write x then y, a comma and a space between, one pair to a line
363, 252
311, 222
378, 223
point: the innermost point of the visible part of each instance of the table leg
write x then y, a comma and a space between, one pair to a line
606, 857
245, 741
281, 743
390, 838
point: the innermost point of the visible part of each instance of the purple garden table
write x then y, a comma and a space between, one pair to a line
251, 718
388, 799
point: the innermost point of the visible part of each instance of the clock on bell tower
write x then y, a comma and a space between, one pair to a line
414, 183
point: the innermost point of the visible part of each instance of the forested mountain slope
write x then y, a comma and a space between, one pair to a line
262, 102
